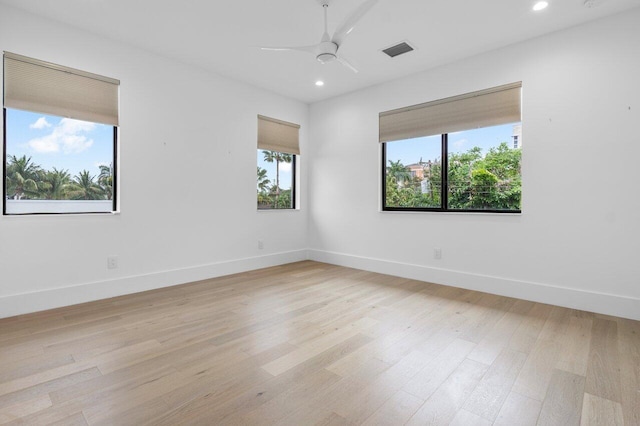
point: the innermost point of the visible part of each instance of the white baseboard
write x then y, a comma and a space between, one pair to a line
603, 303
25, 303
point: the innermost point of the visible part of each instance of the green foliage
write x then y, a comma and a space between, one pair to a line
84, 187
105, 180
273, 197
22, 178
55, 184
492, 182
28, 181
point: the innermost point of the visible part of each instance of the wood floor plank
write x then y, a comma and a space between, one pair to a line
397, 410
597, 411
442, 407
574, 356
603, 370
287, 402
24, 408
526, 335
489, 396
537, 371
425, 383
347, 347
562, 405
629, 352
518, 410
465, 418
498, 338
316, 347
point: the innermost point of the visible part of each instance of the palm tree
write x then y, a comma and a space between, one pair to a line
277, 157
263, 182
399, 172
105, 180
263, 187
55, 184
84, 187
22, 177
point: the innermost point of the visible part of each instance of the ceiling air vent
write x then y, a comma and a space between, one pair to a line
398, 49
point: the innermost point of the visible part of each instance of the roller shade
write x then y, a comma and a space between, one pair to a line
491, 107
277, 135
34, 85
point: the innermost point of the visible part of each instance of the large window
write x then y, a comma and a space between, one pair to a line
278, 148
472, 167
60, 139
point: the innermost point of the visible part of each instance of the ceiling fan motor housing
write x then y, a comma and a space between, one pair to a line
327, 52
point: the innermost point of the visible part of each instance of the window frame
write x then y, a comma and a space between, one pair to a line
294, 185
114, 204
41, 87
444, 189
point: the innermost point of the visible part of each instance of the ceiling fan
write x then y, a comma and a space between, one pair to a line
328, 49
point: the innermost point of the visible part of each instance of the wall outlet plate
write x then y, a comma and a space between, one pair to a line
112, 262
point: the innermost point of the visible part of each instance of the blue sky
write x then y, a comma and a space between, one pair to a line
410, 151
58, 142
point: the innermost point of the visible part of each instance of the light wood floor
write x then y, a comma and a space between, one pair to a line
315, 344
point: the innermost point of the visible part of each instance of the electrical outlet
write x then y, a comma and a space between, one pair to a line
112, 262
437, 253
260, 244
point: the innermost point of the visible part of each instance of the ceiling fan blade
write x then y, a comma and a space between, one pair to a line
307, 49
350, 22
347, 64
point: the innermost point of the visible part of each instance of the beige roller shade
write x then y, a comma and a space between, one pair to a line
33, 85
277, 135
491, 107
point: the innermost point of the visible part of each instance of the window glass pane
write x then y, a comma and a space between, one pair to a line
413, 172
484, 168
57, 165
275, 182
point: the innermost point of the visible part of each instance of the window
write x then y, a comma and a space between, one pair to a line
60, 139
472, 163
278, 147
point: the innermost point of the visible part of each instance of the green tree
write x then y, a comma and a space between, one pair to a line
84, 187
105, 180
277, 157
55, 184
399, 173
461, 167
505, 164
484, 191
263, 188
22, 177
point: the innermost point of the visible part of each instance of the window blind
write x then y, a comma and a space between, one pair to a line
278, 135
490, 107
38, 86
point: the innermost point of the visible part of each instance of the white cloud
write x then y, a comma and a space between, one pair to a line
67, 136
460, 143
40, 123
285, 167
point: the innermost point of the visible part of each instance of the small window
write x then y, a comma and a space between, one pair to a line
278, 148
60, 139
276, 180
474, 167
58, 165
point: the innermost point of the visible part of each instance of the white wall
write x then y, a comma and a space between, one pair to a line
577, 241
187, 168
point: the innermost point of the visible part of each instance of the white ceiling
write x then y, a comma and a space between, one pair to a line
223, 36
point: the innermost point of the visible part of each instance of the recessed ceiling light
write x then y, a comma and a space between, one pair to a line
319, 83
541, 5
